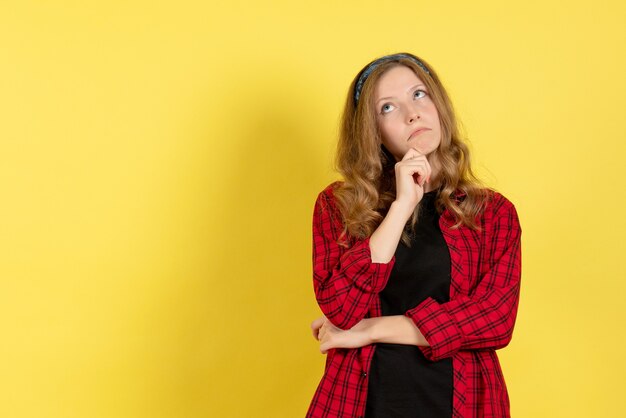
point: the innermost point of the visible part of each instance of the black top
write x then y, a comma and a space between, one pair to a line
402, 382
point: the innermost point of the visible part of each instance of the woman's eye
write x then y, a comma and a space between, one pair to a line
386, 108
418, 92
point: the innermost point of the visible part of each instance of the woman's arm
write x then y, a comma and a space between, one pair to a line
396, 329
409, 192
484, 319
346, 281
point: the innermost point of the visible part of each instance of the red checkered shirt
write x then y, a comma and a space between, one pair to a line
477, 320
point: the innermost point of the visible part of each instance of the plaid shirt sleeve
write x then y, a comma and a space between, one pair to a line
345, 280
485, 318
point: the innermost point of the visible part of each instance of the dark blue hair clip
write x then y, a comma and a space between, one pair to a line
368, 70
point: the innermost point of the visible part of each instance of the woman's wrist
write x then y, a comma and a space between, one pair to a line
366, 327
384, 240
395, 329
374, 329
402, 209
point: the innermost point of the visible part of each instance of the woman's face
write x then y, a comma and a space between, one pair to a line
405, 113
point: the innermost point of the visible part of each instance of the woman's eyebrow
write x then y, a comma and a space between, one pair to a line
409, 89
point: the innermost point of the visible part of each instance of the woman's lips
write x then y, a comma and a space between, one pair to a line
417, 132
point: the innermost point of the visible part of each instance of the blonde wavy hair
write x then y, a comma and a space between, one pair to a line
367, 167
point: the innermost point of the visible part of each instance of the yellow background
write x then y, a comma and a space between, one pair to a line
159, 162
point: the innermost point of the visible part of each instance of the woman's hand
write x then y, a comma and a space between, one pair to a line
331, 337
412, 172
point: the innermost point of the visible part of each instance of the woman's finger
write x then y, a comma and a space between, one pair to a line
416, 159
412, 167
411, 153
325, 341
321, 333
421, 165
315, 327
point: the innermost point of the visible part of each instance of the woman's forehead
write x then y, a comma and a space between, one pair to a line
396, 80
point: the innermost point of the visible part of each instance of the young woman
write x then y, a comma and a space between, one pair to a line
416, 266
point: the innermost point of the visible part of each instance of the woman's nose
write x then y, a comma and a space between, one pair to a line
412, 114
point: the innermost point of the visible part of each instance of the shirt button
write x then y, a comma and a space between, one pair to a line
364, 374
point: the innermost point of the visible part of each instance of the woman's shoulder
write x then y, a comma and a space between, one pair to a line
326, 211
490, 198
497, 201
325, 201
328, 193
491, 202
330, 189
499, 208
